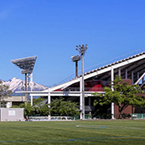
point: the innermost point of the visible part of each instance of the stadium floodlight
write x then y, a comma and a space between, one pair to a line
75, 59
26, 65
82, 49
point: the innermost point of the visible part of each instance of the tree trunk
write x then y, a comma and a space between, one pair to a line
120, 111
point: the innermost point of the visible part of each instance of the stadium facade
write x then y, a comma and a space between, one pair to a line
132, 69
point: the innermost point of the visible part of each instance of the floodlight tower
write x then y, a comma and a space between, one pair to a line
75, 59
26, 65
82, 49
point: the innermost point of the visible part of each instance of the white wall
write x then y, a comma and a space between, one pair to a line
11, 114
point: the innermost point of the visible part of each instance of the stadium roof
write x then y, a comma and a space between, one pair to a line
26, 64
133, 64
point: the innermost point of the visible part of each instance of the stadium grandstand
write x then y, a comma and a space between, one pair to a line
131, 69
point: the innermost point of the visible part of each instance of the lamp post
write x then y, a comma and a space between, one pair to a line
82, 50
75, 59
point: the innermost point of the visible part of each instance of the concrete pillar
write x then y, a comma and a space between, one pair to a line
132, 77
119, 72
81, 100
31, 86
112, 79
90, 113
126, 74
31, 100
49, 101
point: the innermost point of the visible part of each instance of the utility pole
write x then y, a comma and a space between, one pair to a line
82, 50
75, 59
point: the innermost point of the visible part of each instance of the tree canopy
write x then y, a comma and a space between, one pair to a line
4, 92
63, 108
57, 107
122, 95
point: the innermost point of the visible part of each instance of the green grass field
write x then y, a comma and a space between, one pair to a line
102, 132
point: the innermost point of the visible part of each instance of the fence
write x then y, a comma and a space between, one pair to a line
52, 118
138, 116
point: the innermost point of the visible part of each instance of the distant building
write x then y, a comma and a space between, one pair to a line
18, 85
14, 100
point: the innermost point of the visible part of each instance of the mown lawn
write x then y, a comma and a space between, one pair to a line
98, 132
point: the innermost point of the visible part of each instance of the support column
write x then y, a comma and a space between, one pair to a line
112, 79
126, 74
49, 101
83, 86
119, 72
31, 87
25, 81
31, 100
76, 68
31, 81
26, 86
132, 77
81, 100
90, 113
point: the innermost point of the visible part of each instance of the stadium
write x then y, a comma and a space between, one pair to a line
131, 69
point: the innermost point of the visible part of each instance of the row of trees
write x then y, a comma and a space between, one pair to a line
58, 107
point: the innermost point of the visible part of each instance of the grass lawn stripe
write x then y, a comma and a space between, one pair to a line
43, 132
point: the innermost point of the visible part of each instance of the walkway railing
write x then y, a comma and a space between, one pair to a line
138, 116
86, 89
51, 118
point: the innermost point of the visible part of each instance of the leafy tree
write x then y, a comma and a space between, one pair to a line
37, 101
61, 107
58, 106
44, 110
123, 95
4, 93
28, 109
40, 106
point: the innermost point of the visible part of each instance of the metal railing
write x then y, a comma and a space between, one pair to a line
138, 116
85, 89
51, 118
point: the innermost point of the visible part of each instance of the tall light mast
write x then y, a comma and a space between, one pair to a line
26, 65
82, 49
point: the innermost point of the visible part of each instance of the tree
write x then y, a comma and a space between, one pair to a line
44, 110
38, 108
28, 109
4, 93
41, 107
61, 107
57, 106
123, 95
